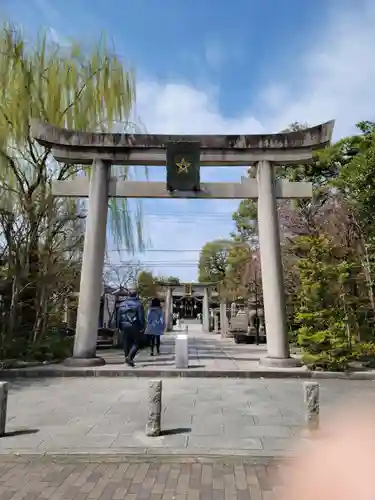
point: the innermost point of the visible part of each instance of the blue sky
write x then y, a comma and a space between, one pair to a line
220, 67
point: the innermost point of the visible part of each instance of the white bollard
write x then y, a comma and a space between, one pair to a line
153, 427
182, 350
3, 406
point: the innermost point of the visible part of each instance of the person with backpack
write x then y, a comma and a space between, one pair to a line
155, 326
131, 322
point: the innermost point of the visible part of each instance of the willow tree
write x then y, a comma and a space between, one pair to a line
66, 87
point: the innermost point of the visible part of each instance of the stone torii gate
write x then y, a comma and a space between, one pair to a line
103, 150
168, 303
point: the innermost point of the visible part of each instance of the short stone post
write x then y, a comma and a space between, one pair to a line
223, 319
216, 323
182, 350
206, 311
168, 304
153, 427
311, 396
262, 328
3, 406
252, 319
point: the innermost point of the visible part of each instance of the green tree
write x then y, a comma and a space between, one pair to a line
147, 285
67, 88
354, 159
325, 311
168, 280
246, 216
213, 261
239, 276
356, 178
341, 210
246, 220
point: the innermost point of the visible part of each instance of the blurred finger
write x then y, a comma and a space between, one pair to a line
339, 464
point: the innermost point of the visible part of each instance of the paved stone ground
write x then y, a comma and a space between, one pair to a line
206, 351
208, 354
200, 416
136, 481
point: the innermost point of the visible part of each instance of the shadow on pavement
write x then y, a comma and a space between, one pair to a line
21, 383
145, 364
21, 432
174, 432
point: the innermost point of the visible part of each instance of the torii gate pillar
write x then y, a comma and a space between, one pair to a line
84, 352
278, 354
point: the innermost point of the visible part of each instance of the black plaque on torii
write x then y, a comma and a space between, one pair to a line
183, 166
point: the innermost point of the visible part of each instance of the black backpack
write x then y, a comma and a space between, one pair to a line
130, 314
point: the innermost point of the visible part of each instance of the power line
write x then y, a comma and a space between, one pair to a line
231, 244
164, 266
191, 213
157, 250
152, 264
186, 217
170, 212
155, 262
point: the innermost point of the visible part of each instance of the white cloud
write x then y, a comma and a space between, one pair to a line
337, 75
182, 109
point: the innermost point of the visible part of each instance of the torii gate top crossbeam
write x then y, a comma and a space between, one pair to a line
218, 150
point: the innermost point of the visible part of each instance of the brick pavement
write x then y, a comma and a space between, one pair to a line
131, 480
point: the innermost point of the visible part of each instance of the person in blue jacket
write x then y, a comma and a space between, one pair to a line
155, 325
131, 322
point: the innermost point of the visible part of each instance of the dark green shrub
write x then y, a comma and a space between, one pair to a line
324, 307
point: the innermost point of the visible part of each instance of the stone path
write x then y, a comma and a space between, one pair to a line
206, 351
251, 417
209, 355
136, 481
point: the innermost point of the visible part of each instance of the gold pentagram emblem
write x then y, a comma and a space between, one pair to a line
183, 166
